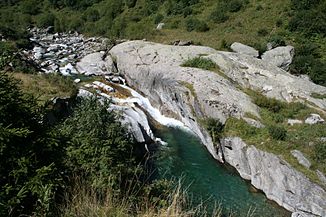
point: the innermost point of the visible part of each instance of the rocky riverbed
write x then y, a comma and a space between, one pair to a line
188, 95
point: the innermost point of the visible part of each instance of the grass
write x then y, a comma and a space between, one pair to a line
84, 201
283, 138
318, 96
44, 87
201, 63
241, 26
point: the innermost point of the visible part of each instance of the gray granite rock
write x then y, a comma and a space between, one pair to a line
276, 178
314, 119
280, 56
301, 158
244, 49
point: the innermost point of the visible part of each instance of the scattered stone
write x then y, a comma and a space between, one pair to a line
103, 86
299, 214
160, 26
77, 80
294, 121
301, 158
267, 88
314, 119
244, 49
254, 123
321, 177
281, 56
323, 139
182, 43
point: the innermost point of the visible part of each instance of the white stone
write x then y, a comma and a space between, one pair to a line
301, 158
77, 80
314, 119
294, 121
160, 26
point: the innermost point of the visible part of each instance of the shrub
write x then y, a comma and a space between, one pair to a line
277, 132
235, 5
200, 62
262, 32
320, 152
276, 41
195, 24
219, 15
91, 15
45, 20
271, 104
214, 128
279, 22
158, 18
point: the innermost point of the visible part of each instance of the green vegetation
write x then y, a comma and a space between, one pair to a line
86, 164
46, 86
201, 63
280, 138
214, 128
39, 161
212, 23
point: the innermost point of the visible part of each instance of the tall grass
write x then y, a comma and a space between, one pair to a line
85, 201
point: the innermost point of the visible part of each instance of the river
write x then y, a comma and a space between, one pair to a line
207, 180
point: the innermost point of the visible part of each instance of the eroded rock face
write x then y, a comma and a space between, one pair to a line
244, 49
276, 178
180, 92
268, 79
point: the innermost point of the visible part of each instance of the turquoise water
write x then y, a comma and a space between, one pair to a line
185, 157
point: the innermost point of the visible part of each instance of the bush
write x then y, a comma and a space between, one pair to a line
262, 32
219, 15
320, 152
91, 15
271, 104
158, 18
200, 62
195, 24
276, 41
45, 20
235, 5
277, 132
214, 128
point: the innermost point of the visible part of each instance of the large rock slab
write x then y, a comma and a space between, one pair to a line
181, 92
276, 178
281, 56
244, 49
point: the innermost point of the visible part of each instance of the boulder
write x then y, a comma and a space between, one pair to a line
276, 178
294, 121
321, 177
301, 158
314, 119
160, 26
93, 64
253, 122
244, 49
281, 56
